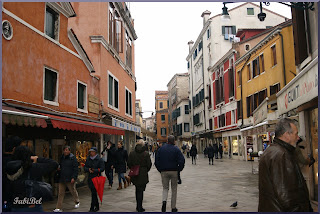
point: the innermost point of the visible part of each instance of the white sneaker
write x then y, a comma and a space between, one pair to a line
77, 205
57, 210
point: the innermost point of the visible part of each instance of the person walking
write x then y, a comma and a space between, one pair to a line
215, 150
193, 153
68, 168
210, 154
109, 151
22, 166
220, 150
188, 151
10, 145
169, 161
95, 166
142, 158
121, 158
282, 187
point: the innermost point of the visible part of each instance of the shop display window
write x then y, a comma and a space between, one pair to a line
235, 146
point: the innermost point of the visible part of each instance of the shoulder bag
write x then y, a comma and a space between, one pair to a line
38, 189
134, 170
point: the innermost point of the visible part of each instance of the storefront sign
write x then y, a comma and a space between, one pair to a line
260, 113
124, 125
303, 89
93, 104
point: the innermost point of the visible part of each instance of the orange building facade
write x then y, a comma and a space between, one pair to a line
161, 102
54, 93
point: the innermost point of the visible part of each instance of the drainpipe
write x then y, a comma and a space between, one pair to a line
242, 89
204, 100
283, 62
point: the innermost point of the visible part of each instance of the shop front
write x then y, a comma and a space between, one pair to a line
299, 98
47, 134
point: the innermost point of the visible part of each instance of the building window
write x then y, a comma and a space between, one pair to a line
250, 11
163, 132
115, 29
255, 67
209, 97
258, 98
186, 109
210, 124
128, 50
82, 96
239, 78
195, 54
51, 86
52, 23
231, 80
233, 117
274, 89
226, 30
249, 100
208, 33
188, 64
219, 86
186, 127
200, 46
161, 105
163, 118
262, 63
267, 27
239, 109
274, 55
128, 102
113, 92
196, 119
249, 71
247, 47
222, 120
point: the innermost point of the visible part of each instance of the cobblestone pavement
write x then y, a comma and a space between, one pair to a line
204, 188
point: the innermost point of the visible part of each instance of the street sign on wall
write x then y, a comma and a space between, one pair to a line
124, 125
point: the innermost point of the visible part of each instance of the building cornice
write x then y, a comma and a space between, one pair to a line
126, 19
231, 51
100, 39
259, 45
195, 45
65, 8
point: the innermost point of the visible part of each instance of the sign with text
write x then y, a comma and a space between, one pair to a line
261, 113
124, 125
303, 90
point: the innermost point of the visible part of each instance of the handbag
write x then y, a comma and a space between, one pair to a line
38, 189
134, 170
56, 176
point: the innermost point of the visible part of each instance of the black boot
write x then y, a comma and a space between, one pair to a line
164, 206
174, 210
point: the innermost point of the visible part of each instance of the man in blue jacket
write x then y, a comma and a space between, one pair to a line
169, 161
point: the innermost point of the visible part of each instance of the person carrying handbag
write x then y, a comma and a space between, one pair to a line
140, 157
24, 170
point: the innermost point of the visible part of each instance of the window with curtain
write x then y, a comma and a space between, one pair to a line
274, 55
52, 23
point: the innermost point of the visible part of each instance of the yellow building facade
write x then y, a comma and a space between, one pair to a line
261, 73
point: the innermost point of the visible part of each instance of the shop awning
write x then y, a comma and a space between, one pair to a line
18, 117
83, 126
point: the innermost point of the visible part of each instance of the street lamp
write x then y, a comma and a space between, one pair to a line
262, 16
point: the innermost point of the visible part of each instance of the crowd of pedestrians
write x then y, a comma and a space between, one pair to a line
23, 172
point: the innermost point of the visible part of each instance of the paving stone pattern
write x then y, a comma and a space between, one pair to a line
204, 188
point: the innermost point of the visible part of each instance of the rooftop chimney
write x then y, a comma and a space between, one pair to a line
190, 43
205, 15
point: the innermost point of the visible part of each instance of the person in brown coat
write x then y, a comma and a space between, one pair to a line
142, 158
282, 187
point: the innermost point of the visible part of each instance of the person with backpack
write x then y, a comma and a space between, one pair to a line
68, 168
24, 166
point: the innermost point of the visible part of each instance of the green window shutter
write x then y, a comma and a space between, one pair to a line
234, 30
223, 30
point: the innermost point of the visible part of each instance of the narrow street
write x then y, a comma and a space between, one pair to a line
204, 188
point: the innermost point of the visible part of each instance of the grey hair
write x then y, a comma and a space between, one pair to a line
171, 139
140, 142
284, 126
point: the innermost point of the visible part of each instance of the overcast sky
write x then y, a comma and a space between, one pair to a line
164, 29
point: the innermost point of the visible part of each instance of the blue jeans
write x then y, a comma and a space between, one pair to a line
37, 208
109, 174
121, 175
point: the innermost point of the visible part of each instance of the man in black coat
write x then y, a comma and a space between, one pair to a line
210, 154
215, 150
94, 165
110, 150
68, 175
